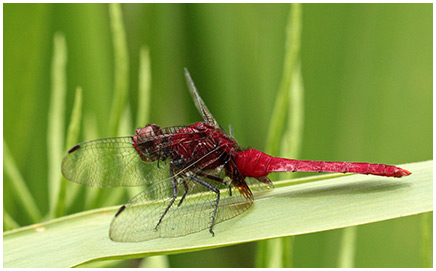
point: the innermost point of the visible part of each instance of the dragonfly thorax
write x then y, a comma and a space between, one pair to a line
202, 142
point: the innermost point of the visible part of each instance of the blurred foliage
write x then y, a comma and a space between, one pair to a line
367, 72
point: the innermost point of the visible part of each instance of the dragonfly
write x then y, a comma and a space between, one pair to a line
195, 176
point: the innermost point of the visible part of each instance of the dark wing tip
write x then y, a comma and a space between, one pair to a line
75, 148
120, 210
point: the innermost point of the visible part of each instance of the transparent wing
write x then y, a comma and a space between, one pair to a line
111, 162
199, 103
137, 221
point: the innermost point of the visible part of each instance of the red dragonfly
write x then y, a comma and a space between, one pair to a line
199, 165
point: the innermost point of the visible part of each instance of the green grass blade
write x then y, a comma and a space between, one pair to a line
262, 253
116, 195
8, 222
159, 261
291, 147
292, 49
293, 136
347, 248
304, 208
121, 66
289, 100
274, 256
276, 252
280, 250
17, 183
72, 139
91, 132
126, 125
121, 87
55, 133
144, 88
76, 119
427, 240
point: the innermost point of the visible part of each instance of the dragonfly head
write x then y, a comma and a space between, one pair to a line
149, 131
148, 143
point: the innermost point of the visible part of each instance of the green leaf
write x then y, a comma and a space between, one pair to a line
121, 64
347, 248
144, 102
292, 49
72, 139
159, 261
121, 87
8, 222
278, 253
427, 240
55, 133
294, 207
293, 136
144, 87
19, 187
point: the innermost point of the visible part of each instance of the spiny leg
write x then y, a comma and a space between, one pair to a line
211, 161
160, 157
215, 178
214, 189
185, 185
174, 184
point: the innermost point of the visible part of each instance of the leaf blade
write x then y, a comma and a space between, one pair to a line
71, 139
20, 188
289, 210
55, 129
121, 64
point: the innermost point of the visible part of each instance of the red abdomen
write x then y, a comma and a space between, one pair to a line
254, 163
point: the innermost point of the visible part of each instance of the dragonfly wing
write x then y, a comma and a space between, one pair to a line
137, 219
257, 186
111, 162
199, 103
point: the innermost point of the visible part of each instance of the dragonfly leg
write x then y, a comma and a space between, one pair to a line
215, 178
162, 157
185, 185
174, 184
214, 189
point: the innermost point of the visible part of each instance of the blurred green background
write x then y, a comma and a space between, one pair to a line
367, 71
